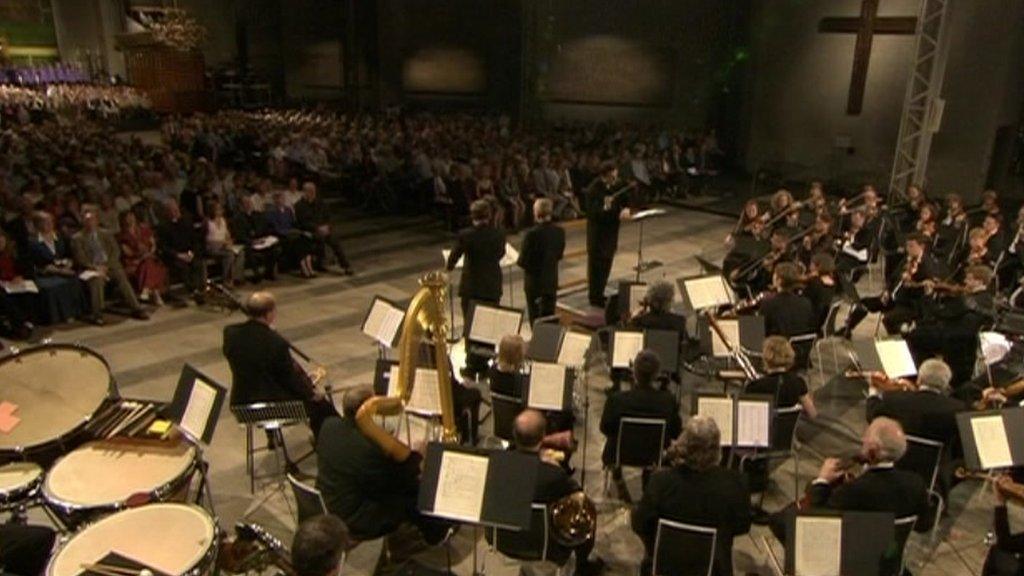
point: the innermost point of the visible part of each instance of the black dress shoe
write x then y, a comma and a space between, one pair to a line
140, 314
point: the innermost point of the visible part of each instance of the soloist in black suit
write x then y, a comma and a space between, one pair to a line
716, 498
262, 370
483, 247
602, 238
542, 248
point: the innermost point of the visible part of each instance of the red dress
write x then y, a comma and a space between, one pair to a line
140, 261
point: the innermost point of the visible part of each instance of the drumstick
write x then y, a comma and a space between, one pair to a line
142, 409
111, 570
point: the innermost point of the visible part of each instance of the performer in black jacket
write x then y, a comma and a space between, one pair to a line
312, 216
696, 490
605, 208
541, 250
362, 485
262, 367
483, 246
788, 313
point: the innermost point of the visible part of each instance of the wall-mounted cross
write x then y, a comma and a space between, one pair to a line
865, 27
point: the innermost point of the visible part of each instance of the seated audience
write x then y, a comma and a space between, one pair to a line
313, 217
54, 273
297, 244
220, 244
97, 255
249, 228
180, 250
140, 259
695, 490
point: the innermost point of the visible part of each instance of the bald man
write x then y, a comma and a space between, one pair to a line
262, 368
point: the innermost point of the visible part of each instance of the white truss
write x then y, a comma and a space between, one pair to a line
919, 105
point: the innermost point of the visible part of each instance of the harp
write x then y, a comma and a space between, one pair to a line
424, 320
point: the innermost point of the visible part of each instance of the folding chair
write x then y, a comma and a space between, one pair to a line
784, 422
639, 444
308, 500
683, 549
924, 458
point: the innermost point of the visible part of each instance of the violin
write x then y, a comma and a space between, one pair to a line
1012, 491
879, 381
994, 397
852, 467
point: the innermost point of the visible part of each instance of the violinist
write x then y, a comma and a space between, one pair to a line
989, 204
781, 202
900, 302
855, 246
1013, 262
977, 249
816, 203
821, 286
785, 213
879, 487
787, 313
927, 220
745, 225
952, 228
1004, 557
818, 240
997, 240
657, 313
749, 262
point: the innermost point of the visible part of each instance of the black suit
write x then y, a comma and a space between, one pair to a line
483, 247
360, 484
553, 483
602, 238
178, 237
788, 314
262, 370
639, 403
716, 498
311, 216
542, 248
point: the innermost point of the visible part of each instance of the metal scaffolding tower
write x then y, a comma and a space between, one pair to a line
922, 107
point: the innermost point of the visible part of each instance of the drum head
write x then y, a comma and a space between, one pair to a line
173, 538
17, 476
55, 389
108, 472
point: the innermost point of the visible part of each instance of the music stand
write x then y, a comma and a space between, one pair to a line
744, 420
383, 322
989, 438
545, 342
705, 291
890, 356
195, 411
554, 393
631, 293
847, 543
489, 323
749, 328
641, 265
268, 416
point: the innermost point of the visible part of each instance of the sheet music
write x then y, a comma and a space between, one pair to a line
990, 438
817, 546
574, 349
731, 329
719, 410
636, 294
707, 292
264, 242
426, 395
490, 325
896, 358
625, 348
23, 287
392, 377
649, 213
547, 386
511, 256
383, 322
460, 486
87, 275
445, 252
752, 418
197, 410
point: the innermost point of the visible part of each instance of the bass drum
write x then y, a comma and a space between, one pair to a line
168, 538
54, 390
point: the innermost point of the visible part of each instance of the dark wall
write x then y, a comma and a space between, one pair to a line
450, 51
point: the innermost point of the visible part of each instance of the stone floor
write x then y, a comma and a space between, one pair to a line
323, 317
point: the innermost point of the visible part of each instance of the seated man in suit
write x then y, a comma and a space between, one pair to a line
929, 412
552, 484
695, 490
372, 493
312, 216
178, 240
880, 488
95, 250
319, 546
643, 401
262, 367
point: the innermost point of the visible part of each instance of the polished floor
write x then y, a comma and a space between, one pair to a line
323, 317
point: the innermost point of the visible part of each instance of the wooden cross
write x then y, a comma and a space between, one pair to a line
865, 27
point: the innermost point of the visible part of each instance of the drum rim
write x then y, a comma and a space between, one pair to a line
158, 494
208, 558
112, 393
25, 491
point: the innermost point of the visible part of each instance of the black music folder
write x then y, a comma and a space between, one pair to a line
477, 486
744, 421
829, 543
383, 322
549, 386
991, 438
700, 292
196, 405
626, 344
630, 298
891, 356
545, 342
747, 329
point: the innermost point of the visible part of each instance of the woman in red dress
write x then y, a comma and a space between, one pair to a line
141, 263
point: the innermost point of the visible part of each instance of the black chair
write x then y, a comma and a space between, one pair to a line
639, 444
532, 545
803, 344
784, 422
683, 549
504, 409
924, 458
903, 528
309, 502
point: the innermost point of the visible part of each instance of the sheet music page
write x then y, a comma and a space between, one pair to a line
752, 418
636, 294
391, 325
23, 287
547, 386
490, 325
425, 397
198, 408
817, 546
574, 349
719, 410
990, 438
445, 252
707, 292
375, 319
392, 376
731, 329
625, 348
460, 486
511, 256
896, 358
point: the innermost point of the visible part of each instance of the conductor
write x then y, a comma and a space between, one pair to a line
605, 207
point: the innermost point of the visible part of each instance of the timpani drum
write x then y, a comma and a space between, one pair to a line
52, 390
109, 475
19, 481
170, 538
